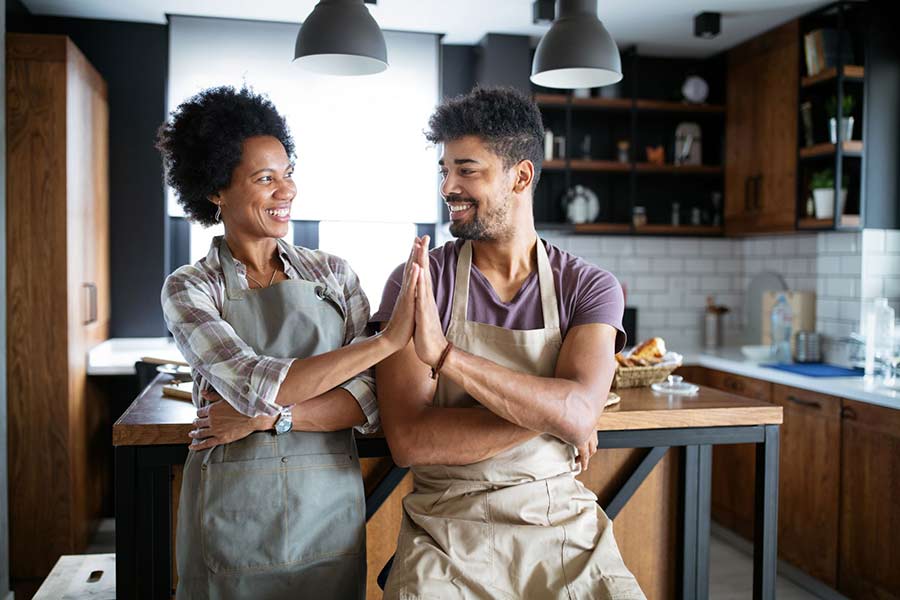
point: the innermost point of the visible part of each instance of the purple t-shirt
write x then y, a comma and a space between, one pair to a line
585, 294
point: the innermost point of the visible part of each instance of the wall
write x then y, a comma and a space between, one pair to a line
133, 59
668, 279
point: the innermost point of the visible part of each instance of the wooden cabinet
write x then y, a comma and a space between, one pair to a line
761, 133
58, 294
869, 555
734, 466
809, 481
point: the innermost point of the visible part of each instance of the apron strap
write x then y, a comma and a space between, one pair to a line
233, 290
548, 289
549, 307
460, 306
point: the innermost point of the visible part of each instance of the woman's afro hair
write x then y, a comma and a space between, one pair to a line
202, 142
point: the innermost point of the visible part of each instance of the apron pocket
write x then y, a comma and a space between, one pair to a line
250, 509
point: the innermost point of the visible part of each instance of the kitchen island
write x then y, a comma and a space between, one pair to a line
652, 475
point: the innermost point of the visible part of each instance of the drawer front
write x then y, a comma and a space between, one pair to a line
796, 399
739, 385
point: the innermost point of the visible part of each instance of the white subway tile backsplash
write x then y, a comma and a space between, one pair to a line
796, 266
873, 241
804, 284
633, 264
717, 248
651, 247
667, 300
638, 299
581, 245
649, 283
828, 309
851, 265
684, 247
785, 246
849, 310
619, 246
883, 265
829, 265
891, 288
841, 242
874, 287
684, 282
728, 265
806, 245
841, 287
699, 265
892, 241
666, 265
715, 283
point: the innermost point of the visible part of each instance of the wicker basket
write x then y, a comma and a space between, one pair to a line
630, 377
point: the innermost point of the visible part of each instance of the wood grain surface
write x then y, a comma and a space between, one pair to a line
154, 419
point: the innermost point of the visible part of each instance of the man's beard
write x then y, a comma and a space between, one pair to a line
481, 229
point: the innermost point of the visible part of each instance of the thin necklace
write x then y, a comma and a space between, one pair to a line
250, 277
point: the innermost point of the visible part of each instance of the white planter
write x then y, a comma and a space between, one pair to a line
824, 199
846, 129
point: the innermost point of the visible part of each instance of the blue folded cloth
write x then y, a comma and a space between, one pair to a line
816, 369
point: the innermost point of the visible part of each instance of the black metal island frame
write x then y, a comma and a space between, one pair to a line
149, 451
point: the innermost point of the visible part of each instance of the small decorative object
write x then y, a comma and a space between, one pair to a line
846, 118
581, 205
639, 216
582, 92
716, 200
695, 89
688, 149
810, 206
622, 148
586, 147
712, 330
806, 116
656, 155
548, 144
695, 216
676, 214
611, 91
822, 186
560, 146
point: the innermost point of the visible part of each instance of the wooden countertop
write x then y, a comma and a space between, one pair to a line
153, 419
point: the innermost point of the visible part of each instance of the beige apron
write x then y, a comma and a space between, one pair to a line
275, 517
518, 525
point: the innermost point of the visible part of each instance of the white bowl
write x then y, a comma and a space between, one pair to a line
757, 353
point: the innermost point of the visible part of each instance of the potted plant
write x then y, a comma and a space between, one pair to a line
846, 117
822, 185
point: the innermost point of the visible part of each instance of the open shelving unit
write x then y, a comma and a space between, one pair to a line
644, 114
845, 22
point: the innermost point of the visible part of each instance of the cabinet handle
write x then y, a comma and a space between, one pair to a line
92, 303
807, 403
734, 385
748, 181
848, 413
757, 206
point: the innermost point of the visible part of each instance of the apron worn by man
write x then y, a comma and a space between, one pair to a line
518, 525
271, 517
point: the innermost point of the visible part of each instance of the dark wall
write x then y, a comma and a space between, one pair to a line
133, 59
504, 60
457, 69
882, 121
4, 507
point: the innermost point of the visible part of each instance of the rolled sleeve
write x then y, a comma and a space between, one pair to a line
266, 380
362, 388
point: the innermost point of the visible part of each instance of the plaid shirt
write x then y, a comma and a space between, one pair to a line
192, 299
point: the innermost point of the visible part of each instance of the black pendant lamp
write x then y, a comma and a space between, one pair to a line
577, 51
340, 37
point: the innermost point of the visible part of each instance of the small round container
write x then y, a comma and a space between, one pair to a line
675, 384
807, 347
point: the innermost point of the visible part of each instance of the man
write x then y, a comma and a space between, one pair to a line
511, 324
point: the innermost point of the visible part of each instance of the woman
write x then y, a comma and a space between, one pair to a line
271, 506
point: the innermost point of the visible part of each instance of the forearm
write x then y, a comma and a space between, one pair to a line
561, 407
334, 410
452, 436
309, 378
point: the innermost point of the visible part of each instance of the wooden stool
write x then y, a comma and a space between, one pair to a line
87, 576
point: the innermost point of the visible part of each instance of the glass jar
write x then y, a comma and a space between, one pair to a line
639, 216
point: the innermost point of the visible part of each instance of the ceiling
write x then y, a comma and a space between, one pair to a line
662, 27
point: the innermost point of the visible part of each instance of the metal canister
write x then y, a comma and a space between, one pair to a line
807, 347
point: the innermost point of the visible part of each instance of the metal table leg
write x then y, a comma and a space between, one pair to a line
765, 531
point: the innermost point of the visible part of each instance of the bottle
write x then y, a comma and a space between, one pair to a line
879, 332
676, 214
782, 317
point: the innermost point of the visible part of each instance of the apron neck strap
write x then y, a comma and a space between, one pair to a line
549, 308
233, 288
548, 290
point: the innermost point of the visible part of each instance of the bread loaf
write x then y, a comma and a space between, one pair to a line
652, 350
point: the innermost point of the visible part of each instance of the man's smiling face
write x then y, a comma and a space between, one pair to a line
477, 189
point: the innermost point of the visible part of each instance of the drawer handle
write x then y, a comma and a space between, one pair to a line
848, 413
731, 384
802, 402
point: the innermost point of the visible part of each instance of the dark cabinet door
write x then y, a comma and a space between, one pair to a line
809, 481
869, 555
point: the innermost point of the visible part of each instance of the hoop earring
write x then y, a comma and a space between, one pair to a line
218, 216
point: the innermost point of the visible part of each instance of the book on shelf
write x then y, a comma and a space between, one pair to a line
820, 48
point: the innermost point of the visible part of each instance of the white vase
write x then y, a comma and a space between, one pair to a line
824, 199
846, 129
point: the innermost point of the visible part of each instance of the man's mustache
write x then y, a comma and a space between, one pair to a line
461, 199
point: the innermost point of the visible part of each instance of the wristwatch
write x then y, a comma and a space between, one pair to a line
285, 421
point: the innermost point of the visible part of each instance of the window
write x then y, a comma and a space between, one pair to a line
364, 168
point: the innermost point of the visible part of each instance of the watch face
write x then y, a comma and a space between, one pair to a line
283, 425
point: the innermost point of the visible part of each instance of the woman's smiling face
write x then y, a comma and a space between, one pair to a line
257, 202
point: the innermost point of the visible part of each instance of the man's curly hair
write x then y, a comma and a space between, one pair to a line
507, 120
202, 142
